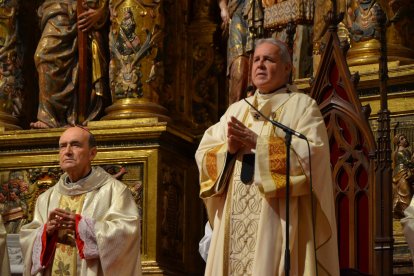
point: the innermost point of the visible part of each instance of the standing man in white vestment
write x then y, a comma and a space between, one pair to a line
87, 224
242, 165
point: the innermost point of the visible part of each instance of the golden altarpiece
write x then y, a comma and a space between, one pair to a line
156, 71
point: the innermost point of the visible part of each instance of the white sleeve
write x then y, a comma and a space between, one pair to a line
87, 234
204, 244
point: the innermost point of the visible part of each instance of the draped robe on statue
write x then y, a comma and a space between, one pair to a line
249, 220
56, 60
107, 238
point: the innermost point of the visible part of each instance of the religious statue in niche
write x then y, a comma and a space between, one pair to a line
403, 175
362, 22
243, 19
57, 60
11, 80
134, 40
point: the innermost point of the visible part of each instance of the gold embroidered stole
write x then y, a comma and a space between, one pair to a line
243, 202
243, 206
65, 259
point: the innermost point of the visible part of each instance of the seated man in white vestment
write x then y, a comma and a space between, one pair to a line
242, 165
87, 224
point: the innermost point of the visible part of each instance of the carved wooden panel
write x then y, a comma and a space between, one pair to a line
352, 147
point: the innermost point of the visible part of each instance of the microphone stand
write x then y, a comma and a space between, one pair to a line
288, 141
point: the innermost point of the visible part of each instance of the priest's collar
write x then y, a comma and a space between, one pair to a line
69, 182
283, 89
268, 103
97, 178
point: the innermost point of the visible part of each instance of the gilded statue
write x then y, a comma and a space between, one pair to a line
403, 175
11, 80
125, 44
362, 22
244, 21
56, 60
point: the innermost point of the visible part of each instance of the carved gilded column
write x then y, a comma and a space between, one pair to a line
362, 23
11, 83
205, 65
136, 69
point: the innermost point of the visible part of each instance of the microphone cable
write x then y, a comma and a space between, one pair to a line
312, 207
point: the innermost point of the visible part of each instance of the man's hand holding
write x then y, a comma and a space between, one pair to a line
60, 219
239, 136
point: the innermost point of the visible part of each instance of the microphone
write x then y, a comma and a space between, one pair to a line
279, 125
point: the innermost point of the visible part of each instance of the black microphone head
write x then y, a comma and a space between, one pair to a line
249, 88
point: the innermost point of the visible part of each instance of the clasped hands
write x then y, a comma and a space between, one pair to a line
60, 219
240, 137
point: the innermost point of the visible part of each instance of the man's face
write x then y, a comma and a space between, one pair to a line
75, 155
269, 72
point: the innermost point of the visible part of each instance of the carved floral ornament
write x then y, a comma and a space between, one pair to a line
133, 43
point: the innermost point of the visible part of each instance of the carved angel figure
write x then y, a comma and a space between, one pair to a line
403, 175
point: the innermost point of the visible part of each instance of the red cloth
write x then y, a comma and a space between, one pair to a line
49, 244
48, 247
79, 242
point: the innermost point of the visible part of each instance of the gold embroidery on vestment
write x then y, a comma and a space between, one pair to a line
65, 259
211, 163
242, 214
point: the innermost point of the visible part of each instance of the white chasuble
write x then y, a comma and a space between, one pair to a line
107, 236
248, 219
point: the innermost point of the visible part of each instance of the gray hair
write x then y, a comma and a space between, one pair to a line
92, 141
283, 49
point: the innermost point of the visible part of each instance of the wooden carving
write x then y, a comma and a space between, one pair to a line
11, 80
352, 147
